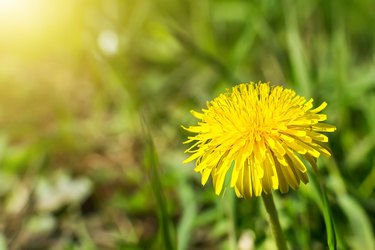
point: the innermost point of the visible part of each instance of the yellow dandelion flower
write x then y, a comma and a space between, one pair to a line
262, 131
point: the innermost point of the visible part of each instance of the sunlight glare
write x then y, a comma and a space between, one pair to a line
16, 12
33, 25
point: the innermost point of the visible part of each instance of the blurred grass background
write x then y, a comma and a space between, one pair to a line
93, 93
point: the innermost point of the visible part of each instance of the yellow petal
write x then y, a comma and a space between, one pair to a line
267, 180
193, 157
205, 174
320, 108
323, 127
291, 143
219, 183
283, 185
317, 136
275, 146
238, 165
197, 114
240, 183
312, 161
247, 181
296, 161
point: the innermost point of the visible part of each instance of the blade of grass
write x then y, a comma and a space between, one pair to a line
151, 166
244, 43
201, 24
368, 185
204, 56
296, 50
328, 218
319, 196
189, 215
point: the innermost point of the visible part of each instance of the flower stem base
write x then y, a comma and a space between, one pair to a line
269, 204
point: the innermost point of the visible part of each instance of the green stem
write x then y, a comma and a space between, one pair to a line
274, 221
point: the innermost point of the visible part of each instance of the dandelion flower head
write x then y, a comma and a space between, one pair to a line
258, 133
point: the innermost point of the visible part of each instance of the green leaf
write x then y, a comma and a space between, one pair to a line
361, 236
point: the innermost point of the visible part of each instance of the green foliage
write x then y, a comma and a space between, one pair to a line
78, 172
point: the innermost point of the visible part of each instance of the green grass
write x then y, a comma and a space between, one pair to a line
70, 112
